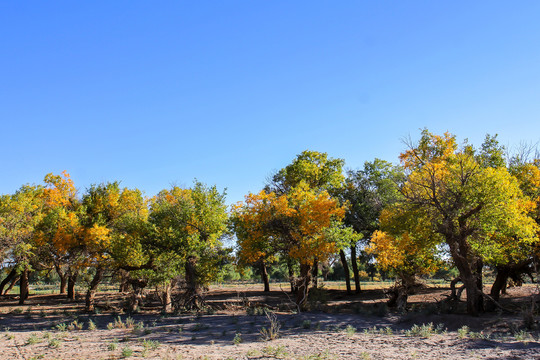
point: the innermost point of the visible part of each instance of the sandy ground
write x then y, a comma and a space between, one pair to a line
304, 336
45, 331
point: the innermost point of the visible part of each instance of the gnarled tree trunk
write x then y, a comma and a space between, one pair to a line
63, 278
193, 294
303, 286
7, 279
264, 276
91, 293
470, 272
124, 281
72, 280
12, 284
453, 291
138, 294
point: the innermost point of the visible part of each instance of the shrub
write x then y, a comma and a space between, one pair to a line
237, 339
127, 352
33, 339
54, 343
272, 332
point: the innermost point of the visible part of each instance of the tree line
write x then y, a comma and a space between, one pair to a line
445, 205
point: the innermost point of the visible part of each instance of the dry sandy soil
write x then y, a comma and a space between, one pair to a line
347, 327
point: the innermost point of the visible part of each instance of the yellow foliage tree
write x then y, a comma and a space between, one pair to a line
293, 224
479, 212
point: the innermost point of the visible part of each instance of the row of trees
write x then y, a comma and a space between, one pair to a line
113, 231
444, 205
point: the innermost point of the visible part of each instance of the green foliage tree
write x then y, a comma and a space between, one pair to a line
188, 224
479, 212
20, 213
366, 193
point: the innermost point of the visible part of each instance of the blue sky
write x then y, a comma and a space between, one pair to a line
162, 92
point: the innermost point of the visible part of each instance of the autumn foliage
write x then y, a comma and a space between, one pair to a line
445, 205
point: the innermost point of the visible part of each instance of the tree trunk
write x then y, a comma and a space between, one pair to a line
354, 264
124, 281
469, 277
12, 284
303, 287
63, 284
315, 273
292, 281
91, 293
63, 278
499, 283
23, 284
346, 270
193, 295
72, 280
138, 294
478, 273
264, 276
470, 272
167, 300
7, 279
453, 294
325, 271
475, 300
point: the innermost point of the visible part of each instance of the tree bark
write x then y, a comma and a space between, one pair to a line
303, 287
315, 273
346, 270
63, 278
63, 284
453, 293
292, 281
7, 279
498, 285
12, 284
91, 293
193, 295
264, 276
470, 272
167, 299
138, 294
124, 281
23, 286
354, 264
72, 280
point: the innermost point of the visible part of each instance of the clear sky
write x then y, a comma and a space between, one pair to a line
154, 93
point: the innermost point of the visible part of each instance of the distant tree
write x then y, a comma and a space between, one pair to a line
367, 192
314, 169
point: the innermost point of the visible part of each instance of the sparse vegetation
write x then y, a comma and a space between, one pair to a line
127, 352
424, 330
237, 338
32, 339
54, 343
272, 331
